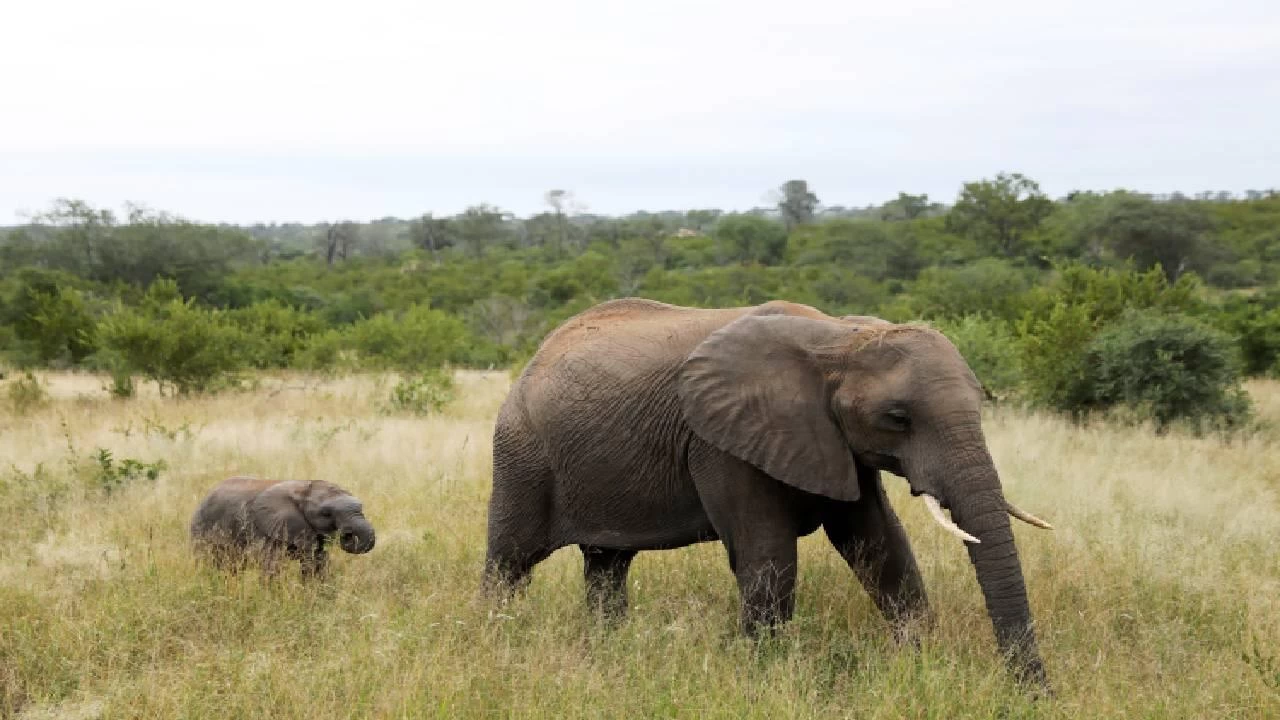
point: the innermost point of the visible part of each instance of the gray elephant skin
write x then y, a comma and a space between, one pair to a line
644, 426
245, 518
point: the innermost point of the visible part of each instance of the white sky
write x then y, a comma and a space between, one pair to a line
259, 110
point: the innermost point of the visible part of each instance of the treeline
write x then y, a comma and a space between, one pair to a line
1021, 281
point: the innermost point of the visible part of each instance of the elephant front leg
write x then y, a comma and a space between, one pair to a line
314, 561
766, 583
871, 539
605, 572
752, 514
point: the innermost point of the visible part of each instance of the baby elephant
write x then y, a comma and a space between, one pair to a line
292, 518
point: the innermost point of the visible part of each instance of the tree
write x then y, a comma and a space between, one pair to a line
999, 214
562, 202
431, 233
797, 204
339, 240
700, 220
1168, 234
55, 321
82, 231
751, 239
905, 207
481, 226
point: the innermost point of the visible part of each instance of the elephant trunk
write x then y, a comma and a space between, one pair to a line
972, 492
357, 535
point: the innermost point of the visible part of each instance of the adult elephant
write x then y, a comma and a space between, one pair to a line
642, 426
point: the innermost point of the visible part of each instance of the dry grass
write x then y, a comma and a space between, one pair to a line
1156, 596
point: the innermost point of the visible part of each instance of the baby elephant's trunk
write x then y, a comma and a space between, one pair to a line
357, 536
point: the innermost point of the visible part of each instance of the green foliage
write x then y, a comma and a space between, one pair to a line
750, 239
483, 287
1255, 321
1248, 234
990, 347
1063, 318
423, 394
122, 386
1166, 367
112, 475
174, 343
1168, 234
419, 338
868, 248
92, 243
26, 393
797, 204
53, 322
990, 285
278, 332
907, 207
1000, 214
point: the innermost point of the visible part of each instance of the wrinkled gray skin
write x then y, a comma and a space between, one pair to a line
275, 519
644, 426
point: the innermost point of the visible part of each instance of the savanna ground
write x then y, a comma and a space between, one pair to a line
1158, 595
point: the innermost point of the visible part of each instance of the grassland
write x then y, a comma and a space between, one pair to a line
1158, 595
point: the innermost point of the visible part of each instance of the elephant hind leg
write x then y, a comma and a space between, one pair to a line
520, 511
605, 572
507, 570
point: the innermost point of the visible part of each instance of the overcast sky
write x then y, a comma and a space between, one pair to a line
256, 110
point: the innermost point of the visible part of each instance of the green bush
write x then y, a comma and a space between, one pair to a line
173, 342
1166, 368
113, 475
420, 338
279, 332
1243, 273
1255, 321
1063, 317
427, 392
56, 325
991, 286
991, 349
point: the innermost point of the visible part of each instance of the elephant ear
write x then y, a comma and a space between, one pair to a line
754, 389
277, 512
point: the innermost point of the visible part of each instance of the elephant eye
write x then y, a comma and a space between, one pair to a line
897, 419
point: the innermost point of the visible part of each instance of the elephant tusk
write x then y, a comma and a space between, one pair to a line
936, 511
1026, 517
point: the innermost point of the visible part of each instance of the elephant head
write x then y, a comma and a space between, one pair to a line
294, 510
808, 400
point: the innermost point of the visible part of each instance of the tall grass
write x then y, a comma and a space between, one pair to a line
1158, 595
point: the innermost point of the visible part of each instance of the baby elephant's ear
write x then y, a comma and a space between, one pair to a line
277, 512
755, 390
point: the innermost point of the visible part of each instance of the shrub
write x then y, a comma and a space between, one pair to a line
1256, 322
173, 342
278, 332
1064, 317
990, 286
428, 392
418, 339
1166, 368
56, 324
26, 393
113, 475
991, 349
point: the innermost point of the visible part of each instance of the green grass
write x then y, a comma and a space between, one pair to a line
1158, 595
